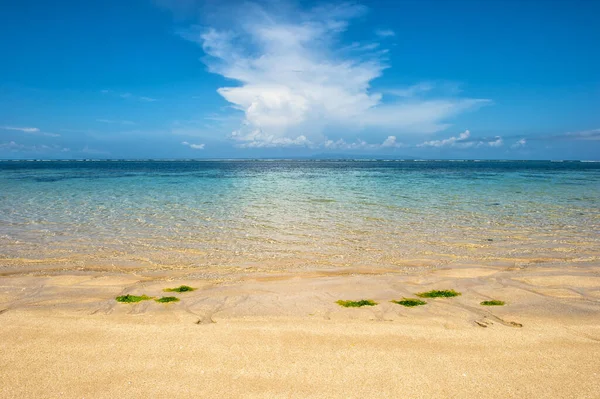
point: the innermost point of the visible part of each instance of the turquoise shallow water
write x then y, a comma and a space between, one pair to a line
290, 214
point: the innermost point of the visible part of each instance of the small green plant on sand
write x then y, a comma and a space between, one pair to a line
438, 294
167, 299
493, 302
181, 288
356, 304
132, 298
410, 302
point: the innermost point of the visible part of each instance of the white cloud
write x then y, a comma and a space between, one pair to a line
110, 121
411, 90
193, 146
391, 142
22, 129
341, 144
12, 146
129, 96
584, 135
93, 151
30, 130
385, 33
463, 140
16, 147
449, 142
498, 142
296, 81
519, 143
357, 46
258, 139
359, 144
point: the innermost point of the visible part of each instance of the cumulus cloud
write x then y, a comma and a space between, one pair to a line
296, 81
497, 142
359, 144
519, 144
449, 142
193, 146
259, 139
391, 142
463, 140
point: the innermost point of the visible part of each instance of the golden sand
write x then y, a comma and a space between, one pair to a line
282, 335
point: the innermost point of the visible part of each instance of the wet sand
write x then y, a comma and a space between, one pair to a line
281, 334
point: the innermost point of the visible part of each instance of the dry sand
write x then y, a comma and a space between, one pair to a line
274, 335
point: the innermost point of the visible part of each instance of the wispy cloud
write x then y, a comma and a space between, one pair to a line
110, 121
463, 140
128, 96
93, 151
296, 81
361, 47
581, 135
411, 91
584, 135
22, 129
30, 130
193, 146
42, 148
385, 33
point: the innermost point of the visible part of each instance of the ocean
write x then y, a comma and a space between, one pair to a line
289, 215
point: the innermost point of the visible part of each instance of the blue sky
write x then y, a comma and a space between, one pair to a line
222, 79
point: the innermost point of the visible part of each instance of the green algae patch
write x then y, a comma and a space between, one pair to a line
438, 294
493, 302
410, 302
181, 288
167, 299
356, 304
132, 298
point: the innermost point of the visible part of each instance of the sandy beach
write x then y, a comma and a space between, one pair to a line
282, 334
299, 199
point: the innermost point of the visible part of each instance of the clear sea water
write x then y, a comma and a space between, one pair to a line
279, 215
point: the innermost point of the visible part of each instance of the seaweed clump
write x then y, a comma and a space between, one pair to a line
167, 299
356, 304
132, 298
493, 302
438, 294
410, 302
181, 288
